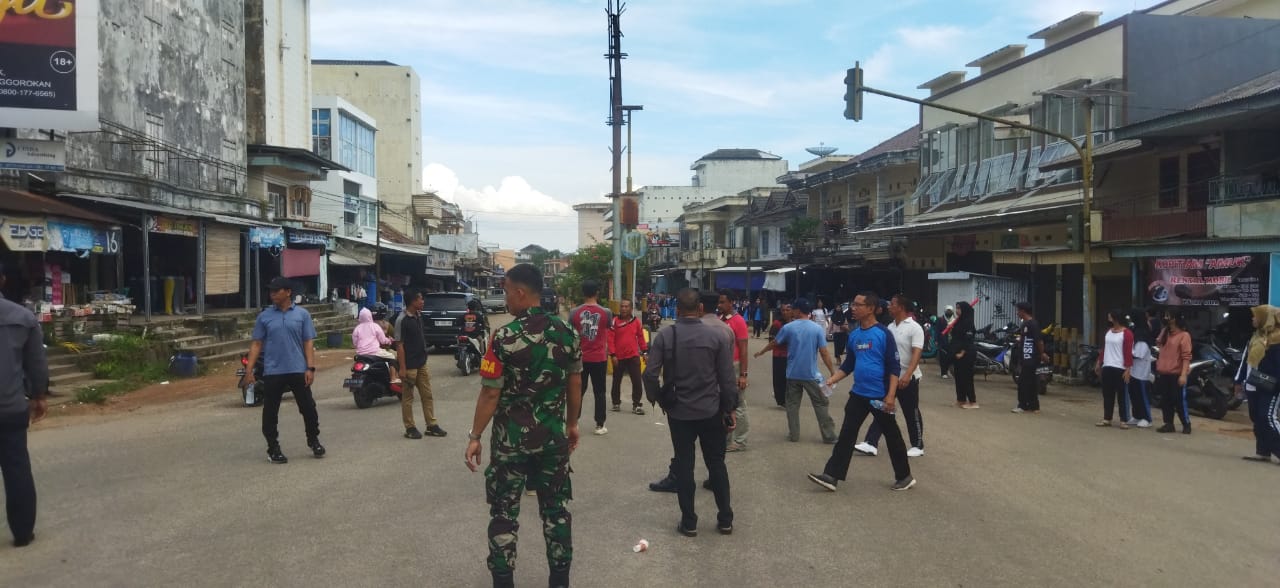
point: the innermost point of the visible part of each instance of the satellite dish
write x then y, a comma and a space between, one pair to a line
821, 150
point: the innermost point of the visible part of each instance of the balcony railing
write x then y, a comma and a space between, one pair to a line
714, 256
1232, 189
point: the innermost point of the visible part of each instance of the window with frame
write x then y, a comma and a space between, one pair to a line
1202, 166
368, 214
278, 200
321, 132
356, 145
1169, 180
300, 202
764, 243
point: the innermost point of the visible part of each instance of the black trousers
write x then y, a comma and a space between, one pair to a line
856, 411
273, 389
1029, 386
1113, 388
908, 400
757, 328
780, 380
945, 358
15, 466
1140, 399
623, 367
1172, 397
962, 371
840, 340
593, 373
710, 434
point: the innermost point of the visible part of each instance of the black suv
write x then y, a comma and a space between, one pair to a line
550, 302
442, 314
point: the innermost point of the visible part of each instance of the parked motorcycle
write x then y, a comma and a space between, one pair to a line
468, 352
1085, 362
250, 394
370, 380
1203, 394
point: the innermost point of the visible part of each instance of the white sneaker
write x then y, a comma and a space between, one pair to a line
915, 452
1131, 422
602, 431
866, 448
1144, 424
1017, 410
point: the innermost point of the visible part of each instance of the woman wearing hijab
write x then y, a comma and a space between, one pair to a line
1263, 356
962, 349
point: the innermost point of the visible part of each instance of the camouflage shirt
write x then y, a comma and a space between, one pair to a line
530, 360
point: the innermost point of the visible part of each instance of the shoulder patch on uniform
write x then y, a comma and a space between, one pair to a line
490, 365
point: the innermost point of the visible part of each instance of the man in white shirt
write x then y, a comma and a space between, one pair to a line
909, 336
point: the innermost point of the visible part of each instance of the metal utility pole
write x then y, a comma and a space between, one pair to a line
615, 56
629, 109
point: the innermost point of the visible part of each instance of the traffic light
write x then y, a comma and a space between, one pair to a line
1075, 231
853, 93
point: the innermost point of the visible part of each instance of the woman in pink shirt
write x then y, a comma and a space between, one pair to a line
369, 339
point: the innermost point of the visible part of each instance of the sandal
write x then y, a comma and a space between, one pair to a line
1102, 424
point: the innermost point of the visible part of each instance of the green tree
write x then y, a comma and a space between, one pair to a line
540, 258
594, 263
802, 229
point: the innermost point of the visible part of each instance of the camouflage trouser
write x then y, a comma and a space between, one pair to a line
505, 482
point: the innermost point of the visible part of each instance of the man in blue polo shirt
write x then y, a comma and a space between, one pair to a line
873, 360
288, 334
805, 341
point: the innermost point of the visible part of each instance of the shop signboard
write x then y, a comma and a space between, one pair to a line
174, 226
77, 238
30, 154
661, 234
23, 233
49, 64
266, 237
1214, 280
307, 238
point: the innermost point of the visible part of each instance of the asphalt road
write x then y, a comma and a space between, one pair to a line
182, 495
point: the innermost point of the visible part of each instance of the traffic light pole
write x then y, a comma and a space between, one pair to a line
853, 111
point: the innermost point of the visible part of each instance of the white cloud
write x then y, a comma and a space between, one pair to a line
513, 213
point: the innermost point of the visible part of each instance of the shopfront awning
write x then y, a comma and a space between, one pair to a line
140, 206
1034, 206
343, 260
439, 273
397, 248
25, 202
243, 222
776, 279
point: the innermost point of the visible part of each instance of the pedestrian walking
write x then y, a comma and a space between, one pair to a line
840, 320
592, 321
944, 326
690, 375
24, 399
1113, 367
873, 363
530, 390
821, 316
1031, 354
759, 312
1172, 368
411, 349
1140, 374
1257, 377
908, 335
626, 343
285, 330
738, 437
962, 351
806, 341
781, 317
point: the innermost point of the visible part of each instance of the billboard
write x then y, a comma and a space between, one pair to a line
661, 234
49, 64
1214, 280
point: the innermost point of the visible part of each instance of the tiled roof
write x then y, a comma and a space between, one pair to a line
908, 139
391, 235
1263, 84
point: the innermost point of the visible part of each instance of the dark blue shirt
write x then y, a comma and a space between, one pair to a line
282, 333
872, 358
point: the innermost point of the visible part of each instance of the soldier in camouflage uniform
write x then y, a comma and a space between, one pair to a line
530, 365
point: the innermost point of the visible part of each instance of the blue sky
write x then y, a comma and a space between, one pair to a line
515, 92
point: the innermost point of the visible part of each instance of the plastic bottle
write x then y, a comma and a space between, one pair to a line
827, 390
879, 405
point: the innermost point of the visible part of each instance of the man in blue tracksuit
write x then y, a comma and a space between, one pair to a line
873, 360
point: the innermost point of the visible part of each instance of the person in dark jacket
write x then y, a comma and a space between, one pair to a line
1263, 355
703, 395
962, 350
24, 393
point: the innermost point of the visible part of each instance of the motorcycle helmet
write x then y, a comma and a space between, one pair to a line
380, 311
474, 305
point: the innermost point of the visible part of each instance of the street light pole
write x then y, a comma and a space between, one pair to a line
1085, 152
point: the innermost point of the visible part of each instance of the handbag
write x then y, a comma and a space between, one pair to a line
1260, 381
667, 393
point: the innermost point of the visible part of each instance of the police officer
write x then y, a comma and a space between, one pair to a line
531, 363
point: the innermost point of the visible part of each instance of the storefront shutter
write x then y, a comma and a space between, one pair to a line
222, 259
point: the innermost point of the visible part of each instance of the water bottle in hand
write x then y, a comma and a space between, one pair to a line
879, 405
827, 390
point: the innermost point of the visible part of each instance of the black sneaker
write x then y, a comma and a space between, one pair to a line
681, 529
316, 448
275, 456
1167, 428
617, 408
904, 484
25, 541
558, 578
503, 580
824, 480
1186, 429
435, 431
725, 528
667, 484
638, 409
412, 433
706, 484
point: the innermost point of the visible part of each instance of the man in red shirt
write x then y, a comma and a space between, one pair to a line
738, 436
592, 321
626, 343
779, 357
